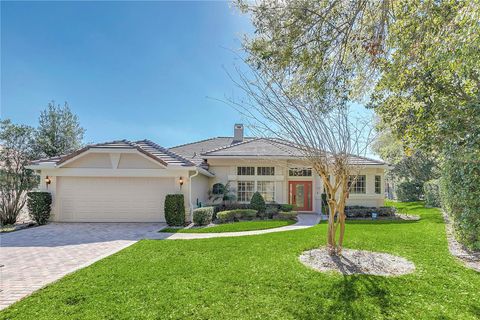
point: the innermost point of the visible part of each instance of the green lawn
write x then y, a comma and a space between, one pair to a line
235, 226
260, 277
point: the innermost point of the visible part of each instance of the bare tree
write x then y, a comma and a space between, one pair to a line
320, 132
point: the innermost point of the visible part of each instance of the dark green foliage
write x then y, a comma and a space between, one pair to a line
39, 206
290, 215
202, 216
271, 210
409, 191
258, 203
235, 215
175, 209
286, 207
431, 191
366, 212
460, 193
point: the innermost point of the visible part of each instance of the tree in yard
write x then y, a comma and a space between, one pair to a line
327, 139
59, 131
15, 180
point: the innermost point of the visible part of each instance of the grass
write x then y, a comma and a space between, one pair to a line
260, 277
234, 227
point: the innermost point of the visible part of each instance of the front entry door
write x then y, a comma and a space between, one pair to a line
300, 195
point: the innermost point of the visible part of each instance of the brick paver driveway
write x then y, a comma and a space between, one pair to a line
34, 257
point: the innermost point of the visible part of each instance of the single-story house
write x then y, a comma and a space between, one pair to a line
124, 181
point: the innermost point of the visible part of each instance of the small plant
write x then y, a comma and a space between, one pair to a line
175, 210
286, 207
271, 211
290, 215
235, 215
202, 216
258, 203
39, 206
221, 192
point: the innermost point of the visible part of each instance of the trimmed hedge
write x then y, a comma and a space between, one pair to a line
286, 207
366, 212
202, 216
409, 191
290, 215
175, 210
258, 203
235, 215
431, 191
39, 206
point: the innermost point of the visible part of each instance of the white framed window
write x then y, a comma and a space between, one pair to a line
378, 184
359, 185
300, 172
267, 190
265, 171
245, 190
246, 171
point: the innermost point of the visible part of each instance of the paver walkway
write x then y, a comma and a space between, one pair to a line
32, 258
305, 220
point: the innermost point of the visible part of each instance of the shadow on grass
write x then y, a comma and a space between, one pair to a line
381, 221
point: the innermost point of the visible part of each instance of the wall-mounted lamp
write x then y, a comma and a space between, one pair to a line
47, 181
180, 181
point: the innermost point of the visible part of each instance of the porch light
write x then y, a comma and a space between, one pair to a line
47, 180
180, 181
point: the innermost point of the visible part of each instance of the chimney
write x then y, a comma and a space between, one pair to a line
238, 132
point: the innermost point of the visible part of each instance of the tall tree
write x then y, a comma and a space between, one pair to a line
59, 131
15, 180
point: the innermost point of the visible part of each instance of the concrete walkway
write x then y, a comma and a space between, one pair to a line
32, 258
305, 220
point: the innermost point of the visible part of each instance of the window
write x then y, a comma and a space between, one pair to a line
245, 190
246, 171
218, 188
266, 171
358, 186
267, 190
300, 172
378, 184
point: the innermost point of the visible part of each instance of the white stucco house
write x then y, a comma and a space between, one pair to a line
124, 181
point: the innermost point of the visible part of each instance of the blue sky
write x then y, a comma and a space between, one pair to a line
130, 70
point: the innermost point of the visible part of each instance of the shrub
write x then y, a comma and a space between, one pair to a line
431, 190
366, 212
409, 191
460, 194
271, 211
290, 215
286, 207
202, 216
258, 203
39, 206
235, 215
175, 210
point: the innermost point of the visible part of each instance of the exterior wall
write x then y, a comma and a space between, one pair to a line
200, 187
225, 170
134, 161
91, 160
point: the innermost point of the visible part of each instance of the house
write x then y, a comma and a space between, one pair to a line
123, 181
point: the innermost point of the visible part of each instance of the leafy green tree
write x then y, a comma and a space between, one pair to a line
15, 180
59, 131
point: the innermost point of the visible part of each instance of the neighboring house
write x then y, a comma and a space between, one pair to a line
125, 181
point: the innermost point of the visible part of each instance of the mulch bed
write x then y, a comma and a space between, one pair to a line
357, 262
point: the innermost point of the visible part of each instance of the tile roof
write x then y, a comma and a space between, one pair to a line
147, 147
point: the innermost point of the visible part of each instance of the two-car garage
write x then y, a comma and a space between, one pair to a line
112, 199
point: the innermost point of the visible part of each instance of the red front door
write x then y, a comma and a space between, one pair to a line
300, 195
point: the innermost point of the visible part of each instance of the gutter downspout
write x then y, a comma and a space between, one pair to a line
190, 193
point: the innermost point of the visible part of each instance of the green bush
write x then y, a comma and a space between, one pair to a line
258, 203
202, 216
286, 207
366, 212
39, 206
175, 210
431, 191
235, 215
290, 215
271, 211
460, 194
409, 191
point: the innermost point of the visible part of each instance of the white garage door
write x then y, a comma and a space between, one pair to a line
112, 199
